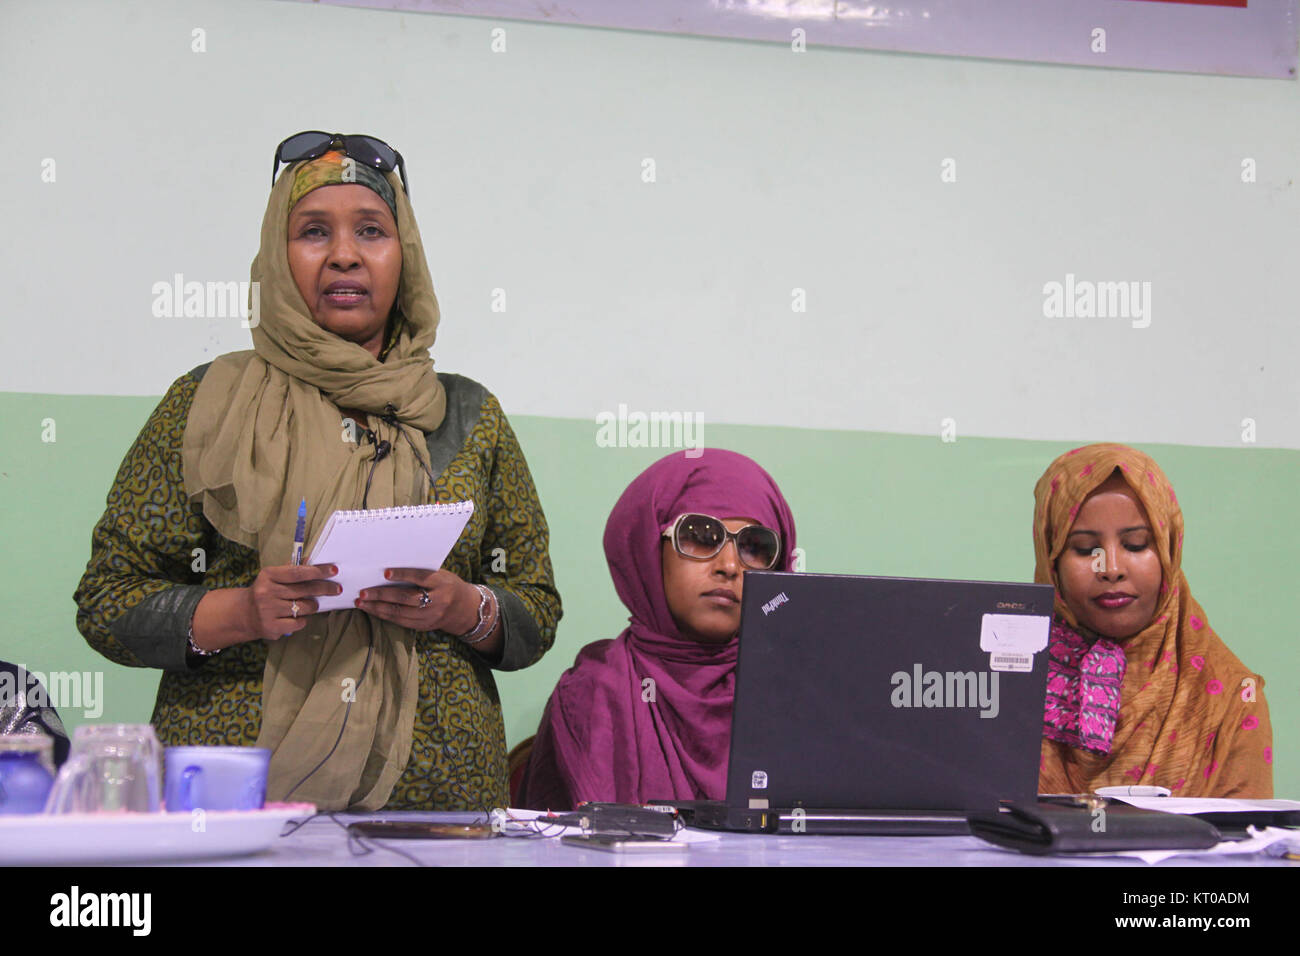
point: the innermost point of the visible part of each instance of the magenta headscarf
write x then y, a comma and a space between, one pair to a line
601, 737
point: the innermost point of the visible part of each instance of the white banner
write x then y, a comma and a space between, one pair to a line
1231, 37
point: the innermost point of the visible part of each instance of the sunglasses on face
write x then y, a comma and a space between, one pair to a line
702, 536
364, 149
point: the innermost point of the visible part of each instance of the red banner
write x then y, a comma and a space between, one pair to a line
1208, 3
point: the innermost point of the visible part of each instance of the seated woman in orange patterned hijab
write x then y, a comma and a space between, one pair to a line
1140, 690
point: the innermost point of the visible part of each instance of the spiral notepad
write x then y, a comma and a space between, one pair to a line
365, 543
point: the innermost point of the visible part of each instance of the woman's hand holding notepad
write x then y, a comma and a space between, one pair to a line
363, 544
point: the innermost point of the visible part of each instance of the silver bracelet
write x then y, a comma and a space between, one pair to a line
482, 604
473, 637
491, 624
194, 648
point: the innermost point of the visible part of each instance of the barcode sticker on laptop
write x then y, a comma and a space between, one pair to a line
999, 661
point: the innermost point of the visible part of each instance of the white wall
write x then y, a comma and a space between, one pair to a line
775, 170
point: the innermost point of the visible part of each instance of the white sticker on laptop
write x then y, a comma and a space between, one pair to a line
1012, 640
758, 780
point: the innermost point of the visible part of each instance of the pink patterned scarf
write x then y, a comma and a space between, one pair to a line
1083, 683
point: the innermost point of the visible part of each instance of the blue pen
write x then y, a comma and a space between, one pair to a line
299, 533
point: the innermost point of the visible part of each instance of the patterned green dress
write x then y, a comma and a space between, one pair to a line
154, 556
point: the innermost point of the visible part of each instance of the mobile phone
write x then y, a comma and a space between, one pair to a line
411, 830
619, 843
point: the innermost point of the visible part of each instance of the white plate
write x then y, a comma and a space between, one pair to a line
142, 837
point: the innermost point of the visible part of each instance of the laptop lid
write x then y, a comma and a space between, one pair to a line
879, 693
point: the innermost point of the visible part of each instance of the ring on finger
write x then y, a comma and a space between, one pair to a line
424, 598
293, 608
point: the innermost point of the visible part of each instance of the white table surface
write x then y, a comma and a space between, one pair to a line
323, 842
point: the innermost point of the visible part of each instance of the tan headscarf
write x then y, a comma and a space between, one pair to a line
264, 431
1191, 717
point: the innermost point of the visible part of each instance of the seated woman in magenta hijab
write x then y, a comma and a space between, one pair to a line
647, 715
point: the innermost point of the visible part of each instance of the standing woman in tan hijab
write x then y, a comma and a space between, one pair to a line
1140, 689
389, 705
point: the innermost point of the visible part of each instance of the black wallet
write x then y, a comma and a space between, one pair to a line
1090, 826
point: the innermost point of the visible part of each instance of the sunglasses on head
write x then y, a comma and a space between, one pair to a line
364, 149
703, 536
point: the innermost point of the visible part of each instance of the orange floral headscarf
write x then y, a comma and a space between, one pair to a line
1192, 717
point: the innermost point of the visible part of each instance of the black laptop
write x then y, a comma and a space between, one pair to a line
882, 705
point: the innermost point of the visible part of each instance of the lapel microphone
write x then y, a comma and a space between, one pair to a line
382, 448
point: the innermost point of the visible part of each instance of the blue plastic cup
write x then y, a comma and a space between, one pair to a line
216, 778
